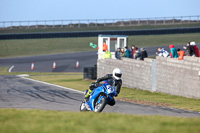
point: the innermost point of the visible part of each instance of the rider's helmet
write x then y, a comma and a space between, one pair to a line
117, 73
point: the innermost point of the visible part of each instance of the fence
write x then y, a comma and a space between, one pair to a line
99, 22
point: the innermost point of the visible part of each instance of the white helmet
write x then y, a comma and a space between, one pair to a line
117, 73
192, 43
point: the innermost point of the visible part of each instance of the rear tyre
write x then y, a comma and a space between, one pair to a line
100, 106
83, 107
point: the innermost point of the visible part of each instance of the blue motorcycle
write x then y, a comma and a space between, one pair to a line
100, 97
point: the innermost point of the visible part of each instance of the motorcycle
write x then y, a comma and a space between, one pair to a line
100, 97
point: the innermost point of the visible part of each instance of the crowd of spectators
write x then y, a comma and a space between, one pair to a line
192, 50
139, 54
132, 52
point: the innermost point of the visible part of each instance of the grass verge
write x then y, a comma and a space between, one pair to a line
39, 121
76, 81
29, 47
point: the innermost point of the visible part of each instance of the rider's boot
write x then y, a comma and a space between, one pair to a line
87, 95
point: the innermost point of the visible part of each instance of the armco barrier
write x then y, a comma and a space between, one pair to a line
166, 75
96, 33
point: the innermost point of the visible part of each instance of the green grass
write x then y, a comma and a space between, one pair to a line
29, 47
69, 29
39, 121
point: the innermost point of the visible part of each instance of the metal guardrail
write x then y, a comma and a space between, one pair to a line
98, 22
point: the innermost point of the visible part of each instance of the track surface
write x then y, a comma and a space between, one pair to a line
65, 62
16, 92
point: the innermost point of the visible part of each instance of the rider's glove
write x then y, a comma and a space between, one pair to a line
116, 95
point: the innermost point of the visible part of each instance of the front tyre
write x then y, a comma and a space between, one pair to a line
100, 106
83, 107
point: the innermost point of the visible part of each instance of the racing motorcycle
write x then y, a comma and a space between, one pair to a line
100, 97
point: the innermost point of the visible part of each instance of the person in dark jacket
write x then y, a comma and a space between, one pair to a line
137, 55
196, 49
132, 51
113, 79
143, 53
190, 49
117, 54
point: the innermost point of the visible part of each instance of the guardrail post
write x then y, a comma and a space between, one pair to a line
96, 23
11, 24
79, 24
28, 25
88, 23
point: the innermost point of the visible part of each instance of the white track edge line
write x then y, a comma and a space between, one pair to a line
10, 69
53, 85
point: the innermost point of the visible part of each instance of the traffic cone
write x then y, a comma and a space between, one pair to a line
32, 66
54, 65
77, 63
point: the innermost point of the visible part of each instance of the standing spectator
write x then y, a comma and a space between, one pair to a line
105, 47
132, 51
143, 53
162, 52
117, 54
190, 49
181, 53
127, 52
196, 49
173, 51
123, 53
137, 55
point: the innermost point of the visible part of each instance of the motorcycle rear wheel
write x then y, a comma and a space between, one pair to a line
100, 106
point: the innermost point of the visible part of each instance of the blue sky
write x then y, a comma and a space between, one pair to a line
15, 10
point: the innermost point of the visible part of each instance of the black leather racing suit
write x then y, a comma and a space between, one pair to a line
117, 83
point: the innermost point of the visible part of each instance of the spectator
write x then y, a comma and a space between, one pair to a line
132, 51
123, 53
137, 55
181, 53
190, 49
173, 51
196, 49
143, 53
162, 52
117, 54
127, 52
105, 47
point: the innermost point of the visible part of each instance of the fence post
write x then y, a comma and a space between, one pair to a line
3, 25
61, 23
36, 26
79, 25
11, 24
96, 23
28, 25
139, 21
88, 25
130, 22
164, 21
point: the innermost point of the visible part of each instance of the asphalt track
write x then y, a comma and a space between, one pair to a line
17, 92
64, 62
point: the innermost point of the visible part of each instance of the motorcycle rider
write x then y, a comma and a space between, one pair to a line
113, 79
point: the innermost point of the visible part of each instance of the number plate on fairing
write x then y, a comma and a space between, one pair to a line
110, 89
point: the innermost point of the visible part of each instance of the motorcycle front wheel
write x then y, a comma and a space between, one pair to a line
83, 107
100, 106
